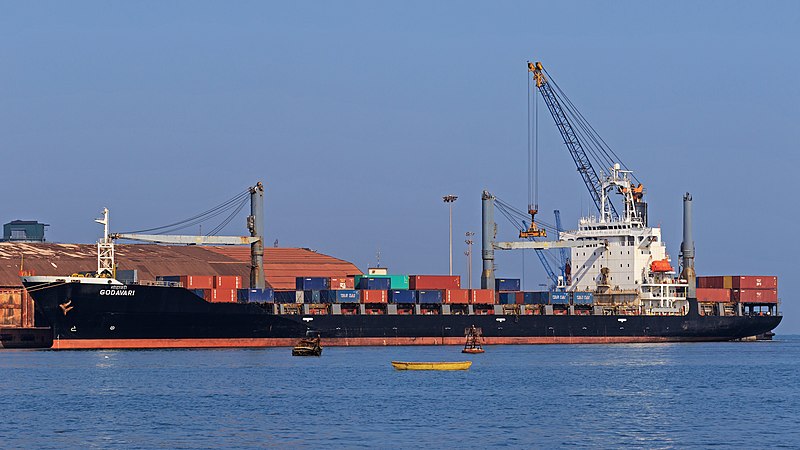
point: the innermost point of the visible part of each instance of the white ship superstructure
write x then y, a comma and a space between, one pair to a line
625, 256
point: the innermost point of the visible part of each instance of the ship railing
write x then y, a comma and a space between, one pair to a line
160, 283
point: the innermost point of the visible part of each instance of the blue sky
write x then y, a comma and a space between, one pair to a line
359, 116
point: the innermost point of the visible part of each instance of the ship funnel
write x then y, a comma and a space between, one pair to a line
687, 248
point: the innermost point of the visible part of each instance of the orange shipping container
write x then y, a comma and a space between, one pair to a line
755, 295
713, 295
433, 282
227, 282
338, 283
754, 282
456, 296
223, 295
197, 282
373, 296
481, 296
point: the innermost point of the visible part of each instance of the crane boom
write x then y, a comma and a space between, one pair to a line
563, 253
571, 139
184, 239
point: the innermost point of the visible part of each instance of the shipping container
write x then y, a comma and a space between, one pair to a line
536, 298
190, 281
255, 295
715, 282
373, 296
429, 296
456, 296
507, 298
395, 281
755, 295
428, 282
223, 295
312, 296
227, 282
713, 295
754, 282
285, 297
347, 296
402, 296
559, 298
481, 296
582, 298
312, 283
373, 283
337, 283
506, 284
127, 276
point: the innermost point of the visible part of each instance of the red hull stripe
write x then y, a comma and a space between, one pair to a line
70, 344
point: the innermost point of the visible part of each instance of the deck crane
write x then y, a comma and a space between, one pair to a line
255, 225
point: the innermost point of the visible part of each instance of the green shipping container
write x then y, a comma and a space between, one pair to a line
398, 281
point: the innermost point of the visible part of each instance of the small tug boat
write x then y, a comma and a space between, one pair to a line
309, 346
474, 337
456, 365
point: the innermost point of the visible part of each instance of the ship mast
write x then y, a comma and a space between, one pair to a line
105, 250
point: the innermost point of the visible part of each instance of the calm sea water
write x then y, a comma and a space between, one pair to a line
744, 395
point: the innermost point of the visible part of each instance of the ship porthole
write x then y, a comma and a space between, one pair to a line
112, 328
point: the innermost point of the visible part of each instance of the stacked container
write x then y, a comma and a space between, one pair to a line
430, 282
738, 288
312, 283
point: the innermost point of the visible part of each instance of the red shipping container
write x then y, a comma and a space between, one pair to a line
197, 282
338, 283
456, 296
373, 296
223, 295
711, 282
713, 295
519, 298
481, 296
434, 282
754, 282
227, 282
755, 295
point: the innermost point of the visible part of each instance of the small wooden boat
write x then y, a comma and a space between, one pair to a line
308, 347
440, 365
473, 344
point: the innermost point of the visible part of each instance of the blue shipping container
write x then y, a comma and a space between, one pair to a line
536, 298
312, 296
507, 298
255, 295
403, 296
347, 296
375, 283
429, 297
559, 298
506, 284
583, 298
285, 297
312, 283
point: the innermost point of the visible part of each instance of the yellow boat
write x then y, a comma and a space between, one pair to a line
457, 365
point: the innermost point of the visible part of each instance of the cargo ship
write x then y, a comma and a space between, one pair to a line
623, 290
619, 286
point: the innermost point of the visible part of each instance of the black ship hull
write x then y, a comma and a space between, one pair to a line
84, 315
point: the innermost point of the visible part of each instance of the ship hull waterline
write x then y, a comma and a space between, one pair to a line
160, 317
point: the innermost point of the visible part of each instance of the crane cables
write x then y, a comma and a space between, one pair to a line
232, 206
596, 148
533, 148
519, 219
